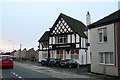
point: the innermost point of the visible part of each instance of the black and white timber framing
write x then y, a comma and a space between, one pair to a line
66, 40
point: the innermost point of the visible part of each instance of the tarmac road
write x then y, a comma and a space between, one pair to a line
22, 73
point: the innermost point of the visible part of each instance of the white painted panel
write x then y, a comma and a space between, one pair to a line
85, 43
40, 56
73, 38
77, 45
69, 38
53, 40
55, 54
82, 42
82, 57
68, 55
77, 38
50, 40
50, 47
44, 54
45, 48
40, 46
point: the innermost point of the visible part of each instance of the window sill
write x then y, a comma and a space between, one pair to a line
107, 64
102, 42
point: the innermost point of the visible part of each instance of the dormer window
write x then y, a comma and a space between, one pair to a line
44, 44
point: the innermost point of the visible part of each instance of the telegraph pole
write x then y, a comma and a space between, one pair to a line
20, 50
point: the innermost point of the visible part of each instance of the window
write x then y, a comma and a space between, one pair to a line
61, 39
102, 35
101, 58
44, 44
105, 34
106, 58
44, 55
111, 58
74, 54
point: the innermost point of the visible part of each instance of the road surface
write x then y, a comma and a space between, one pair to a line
24, 72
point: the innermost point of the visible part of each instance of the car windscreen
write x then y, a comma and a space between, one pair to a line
5, 57
58, 59
44, 60
63, 61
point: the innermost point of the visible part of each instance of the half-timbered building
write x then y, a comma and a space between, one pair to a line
67, 39
43, 46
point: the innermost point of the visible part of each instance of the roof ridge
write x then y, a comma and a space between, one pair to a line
113, 17
70, 17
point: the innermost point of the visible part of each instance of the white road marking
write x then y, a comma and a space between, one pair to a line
20, 77
54, 76
17, 75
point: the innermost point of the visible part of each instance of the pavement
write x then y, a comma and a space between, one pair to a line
69, 73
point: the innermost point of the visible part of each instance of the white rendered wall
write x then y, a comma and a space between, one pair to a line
82, 57
96, 47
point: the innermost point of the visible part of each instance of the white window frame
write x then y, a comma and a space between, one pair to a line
103, 34
63, 37
106, 56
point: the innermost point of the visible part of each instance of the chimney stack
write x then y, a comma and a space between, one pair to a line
88, 18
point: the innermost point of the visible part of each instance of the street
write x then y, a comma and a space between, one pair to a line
22, 73
34, 71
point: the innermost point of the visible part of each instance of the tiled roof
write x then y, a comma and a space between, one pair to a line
44, 37
112, 18
76, 25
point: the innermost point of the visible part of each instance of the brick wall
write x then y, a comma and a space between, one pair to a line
118, 44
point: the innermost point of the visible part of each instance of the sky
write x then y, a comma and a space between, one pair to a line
25, 21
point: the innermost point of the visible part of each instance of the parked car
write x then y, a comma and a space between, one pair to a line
6, 61
69, 63
45, 61
54, 62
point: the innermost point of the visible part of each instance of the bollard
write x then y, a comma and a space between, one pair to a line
78, 68
104, 72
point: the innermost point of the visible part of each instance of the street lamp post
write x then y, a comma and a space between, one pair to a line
13, 43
